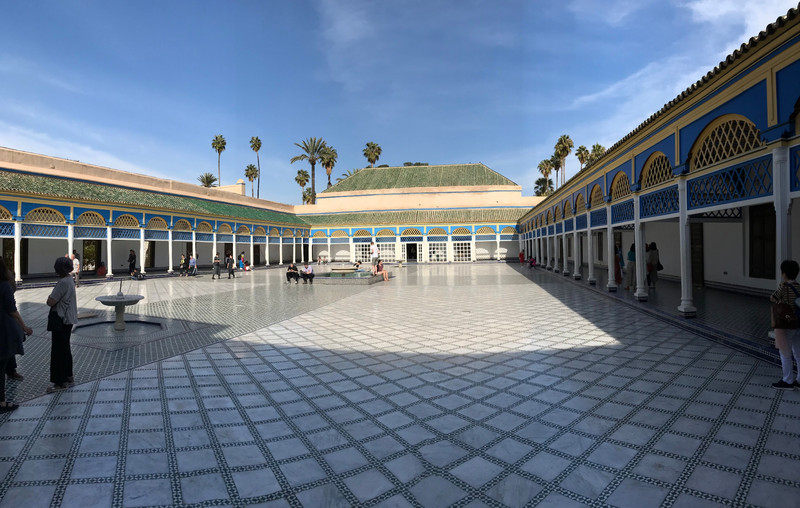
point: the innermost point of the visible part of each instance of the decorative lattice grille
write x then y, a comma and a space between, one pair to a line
225, 229
128, 234
485, 238
44, 231
243, 238
224, 238
548, 218
287, 233
461, 231
599, 217
485, 230
274, 232
7, 229
794, 158
580, 204
412, 232
156, 235
749, 180
203, 237
568, 226
87, 219
362, 252
621, 188
157, 223
385, 233
725, 214
361, 233
259, 231
319, 234
508, 230
126, 221
87, 232
183, 236
657, 203
45, 216
182, 225
388, 253
597, 197
580, 221
558, 214
260, 239
723, 140
657, 170
204, 227
622, 212
567, 210
559, 227
339, 234
243, 230
437, 231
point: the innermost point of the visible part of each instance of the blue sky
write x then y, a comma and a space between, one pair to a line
145, 86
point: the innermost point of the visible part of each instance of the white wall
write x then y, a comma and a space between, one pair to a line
119, 255
665, 234
42, 253
724, 253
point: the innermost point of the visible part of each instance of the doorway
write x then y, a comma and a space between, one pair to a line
91, 255
411, 252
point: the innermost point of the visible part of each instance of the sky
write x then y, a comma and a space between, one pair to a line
145, 86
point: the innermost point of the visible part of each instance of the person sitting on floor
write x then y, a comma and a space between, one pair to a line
307, 274
292, 273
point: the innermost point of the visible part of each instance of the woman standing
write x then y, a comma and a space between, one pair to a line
787, 340
652, 264
132, 263
182, 265
63, 314
630, 268
10, 337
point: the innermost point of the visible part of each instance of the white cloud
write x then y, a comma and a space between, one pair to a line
610, 12
17, 68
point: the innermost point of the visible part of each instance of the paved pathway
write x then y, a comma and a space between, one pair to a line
451, 385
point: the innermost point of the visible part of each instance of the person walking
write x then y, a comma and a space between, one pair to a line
230, 264
132, 263
630, 268
653, 263
787, 340
11, 337
63, 315
215, 273
374, 254
10, 369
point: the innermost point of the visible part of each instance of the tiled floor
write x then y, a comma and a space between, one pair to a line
450, 385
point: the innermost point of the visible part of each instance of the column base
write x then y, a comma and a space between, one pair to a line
576, 276
109, 275
565, 273
592, 282
641, 295
556, 270
611, 289
170, 271
687, 310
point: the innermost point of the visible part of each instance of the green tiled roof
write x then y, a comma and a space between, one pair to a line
44, 186
454, 175
466, 216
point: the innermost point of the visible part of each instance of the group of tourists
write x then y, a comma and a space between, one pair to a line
292, 273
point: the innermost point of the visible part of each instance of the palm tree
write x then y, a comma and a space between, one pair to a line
218, 144
545, 168
302, 180
372, 152
348, 174
207, 179
582, 153
543, 187
555, 160
312, 148
307, 196
251, 173
255, 145
598, 151
562, 149
327, 159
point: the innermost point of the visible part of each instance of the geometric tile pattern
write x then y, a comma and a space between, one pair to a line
507, 390
725, 138
748, 180
660, 202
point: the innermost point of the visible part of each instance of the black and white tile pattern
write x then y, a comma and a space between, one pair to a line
451, 385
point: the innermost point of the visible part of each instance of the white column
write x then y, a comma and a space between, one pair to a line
169, 250
266, 249
302, 249
576, 249
352, 250
451, 255
611, 286
539, 249
424, 246
70, 238
233, 250
109, 270
564, 269
641, 265
18, 252
686, 308
141, 250
590, 251
294, 249
398, 249
213, 246
252, 261
280, 250
780, 185
194, 245
497, 248
472, 255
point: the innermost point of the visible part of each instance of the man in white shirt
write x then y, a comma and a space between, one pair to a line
76, 268
307, 274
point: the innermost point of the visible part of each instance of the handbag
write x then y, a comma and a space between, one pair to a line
660, 266
785, 315
54, 321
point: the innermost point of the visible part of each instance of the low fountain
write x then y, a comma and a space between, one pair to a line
119, 302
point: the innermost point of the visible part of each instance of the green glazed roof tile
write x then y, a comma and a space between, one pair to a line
453, 175
465, 216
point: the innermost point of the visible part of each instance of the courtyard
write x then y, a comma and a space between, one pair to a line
451, 385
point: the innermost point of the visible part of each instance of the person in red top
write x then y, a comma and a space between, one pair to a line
522, 257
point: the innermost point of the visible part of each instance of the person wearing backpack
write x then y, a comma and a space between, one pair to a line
787, 336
